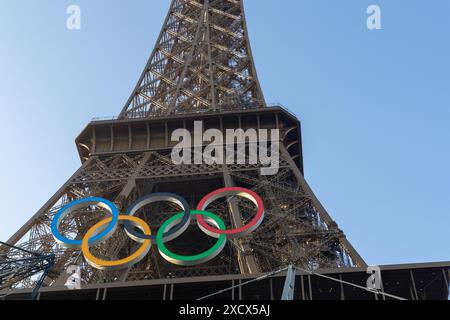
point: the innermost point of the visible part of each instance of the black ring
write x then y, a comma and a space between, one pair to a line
173, 233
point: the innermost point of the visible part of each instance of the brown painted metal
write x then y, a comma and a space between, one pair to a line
202, 61
432, 285
201, 70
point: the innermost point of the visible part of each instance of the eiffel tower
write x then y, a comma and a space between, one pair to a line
201, 68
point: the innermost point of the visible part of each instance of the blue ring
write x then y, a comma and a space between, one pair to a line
72, 243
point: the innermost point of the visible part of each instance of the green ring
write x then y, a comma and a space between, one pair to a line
195, 259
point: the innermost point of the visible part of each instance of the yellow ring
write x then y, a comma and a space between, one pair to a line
118, 264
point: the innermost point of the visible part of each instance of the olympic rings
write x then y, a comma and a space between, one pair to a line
76, 244
123, 263
233, 191
195, 259
158, 197
138, 230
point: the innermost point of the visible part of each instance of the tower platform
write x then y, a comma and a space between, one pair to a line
425, 281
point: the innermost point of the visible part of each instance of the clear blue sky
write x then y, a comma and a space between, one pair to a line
375, 105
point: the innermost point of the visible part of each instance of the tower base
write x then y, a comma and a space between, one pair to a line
429, 281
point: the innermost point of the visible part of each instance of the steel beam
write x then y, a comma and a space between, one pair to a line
246, 259
323, 212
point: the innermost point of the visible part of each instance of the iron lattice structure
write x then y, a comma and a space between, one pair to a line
201, 69
202, 62
18, 265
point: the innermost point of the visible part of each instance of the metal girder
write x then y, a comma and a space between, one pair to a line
358, 260
202, 61
246, 259
293, 231
18, 264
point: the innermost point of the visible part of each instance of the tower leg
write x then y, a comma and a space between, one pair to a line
247, 262
322, 211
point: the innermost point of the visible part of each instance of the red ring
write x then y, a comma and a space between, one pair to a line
233, 233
